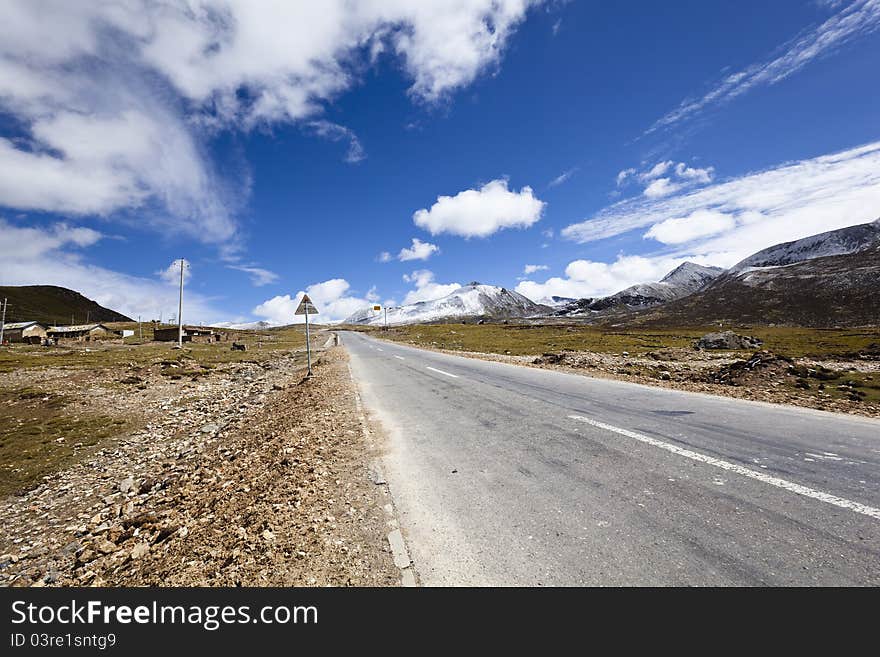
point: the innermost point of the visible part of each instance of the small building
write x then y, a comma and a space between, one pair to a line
28, 332
82, 333
190, 334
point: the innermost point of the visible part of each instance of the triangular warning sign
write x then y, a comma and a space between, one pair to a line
306, 307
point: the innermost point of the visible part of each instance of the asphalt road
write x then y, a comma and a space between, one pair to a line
507, 475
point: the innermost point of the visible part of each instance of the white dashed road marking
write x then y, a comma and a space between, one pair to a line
400, 357
738, 469
434, 369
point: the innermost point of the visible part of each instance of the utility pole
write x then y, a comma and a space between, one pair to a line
3, 320
140, 329
180, 308
386, 317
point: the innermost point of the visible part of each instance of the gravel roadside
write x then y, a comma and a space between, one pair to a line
260, 479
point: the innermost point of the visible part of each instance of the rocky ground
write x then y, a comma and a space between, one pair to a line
248, 476
835, 386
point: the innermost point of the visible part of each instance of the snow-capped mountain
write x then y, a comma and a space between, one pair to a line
690, 277
685, 279
243, 326
470, 301
829, 279
833, 242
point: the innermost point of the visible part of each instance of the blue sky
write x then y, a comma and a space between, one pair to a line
305, 148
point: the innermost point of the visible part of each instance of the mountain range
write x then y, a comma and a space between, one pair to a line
474, 300
829, 279
244, 326
825, 280
685, 279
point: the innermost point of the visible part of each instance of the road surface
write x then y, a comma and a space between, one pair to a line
507, 475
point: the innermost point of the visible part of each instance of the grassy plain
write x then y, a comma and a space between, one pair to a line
49, 421
535, 339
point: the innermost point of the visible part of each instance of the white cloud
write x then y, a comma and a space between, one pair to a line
50, 255
23, 244
856, 19
656, 171
562, 177
426, 288
531, 269
372, 295
118, 99
694, 173
700, 223
171, 274
448, 44
331, 298
259, 276
278, 310
101, 162
785, 203
385, 257
586, 278
482, 212
623, 176
418, 251
661, 187
665, 177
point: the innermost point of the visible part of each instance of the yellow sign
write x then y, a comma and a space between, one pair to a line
377, 307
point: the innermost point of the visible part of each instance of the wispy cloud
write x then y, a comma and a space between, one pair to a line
259, 276
53, 255
171, 274
855, 20
562, 177
336, 132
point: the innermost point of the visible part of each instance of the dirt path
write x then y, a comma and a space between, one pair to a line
256, 478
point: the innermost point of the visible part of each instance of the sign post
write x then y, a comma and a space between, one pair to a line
377, 308
305, 307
